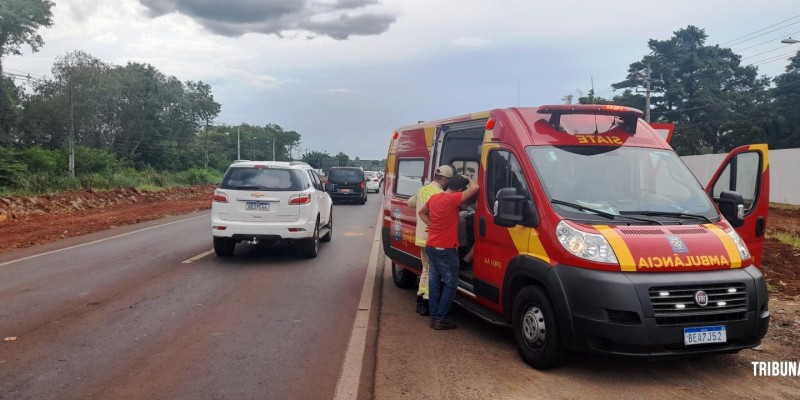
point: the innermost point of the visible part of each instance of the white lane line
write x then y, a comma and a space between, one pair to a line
99, 240
350, 377
197, 257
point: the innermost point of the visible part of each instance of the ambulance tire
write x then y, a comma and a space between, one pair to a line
535, 328
402, 278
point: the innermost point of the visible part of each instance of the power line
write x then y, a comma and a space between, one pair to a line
773, 40
760, 30
776, 58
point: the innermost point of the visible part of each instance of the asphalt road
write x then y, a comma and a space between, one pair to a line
126, 317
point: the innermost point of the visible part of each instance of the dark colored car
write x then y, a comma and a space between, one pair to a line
347, 184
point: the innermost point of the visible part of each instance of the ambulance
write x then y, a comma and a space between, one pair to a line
589, 232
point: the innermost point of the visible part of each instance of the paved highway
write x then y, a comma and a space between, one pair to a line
146, 311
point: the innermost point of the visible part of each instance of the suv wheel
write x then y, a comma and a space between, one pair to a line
328, 236
224, 247
310, 247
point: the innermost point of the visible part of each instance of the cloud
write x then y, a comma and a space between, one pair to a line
341, 91
338, 19
471, 42
106, 38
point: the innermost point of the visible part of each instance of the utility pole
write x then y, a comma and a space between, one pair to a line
647, 95
238, 145
206, 142
273, 147
71, 132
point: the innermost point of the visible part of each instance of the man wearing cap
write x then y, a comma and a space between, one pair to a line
441, 178
441, 216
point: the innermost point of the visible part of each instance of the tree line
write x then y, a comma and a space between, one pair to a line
716, 102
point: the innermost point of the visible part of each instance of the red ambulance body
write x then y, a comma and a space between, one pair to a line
590, 233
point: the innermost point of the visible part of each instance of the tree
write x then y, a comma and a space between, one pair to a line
713, 99
782, 125
315, 158
19, 22
344, 159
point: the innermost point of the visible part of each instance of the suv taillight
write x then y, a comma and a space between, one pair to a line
363, 184
303, 198
219, 197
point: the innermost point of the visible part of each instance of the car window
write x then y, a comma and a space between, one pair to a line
252, 178
315, 179
341, 174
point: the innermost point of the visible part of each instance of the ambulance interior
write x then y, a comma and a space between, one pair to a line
461, 148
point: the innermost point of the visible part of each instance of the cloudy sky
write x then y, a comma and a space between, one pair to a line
345, 73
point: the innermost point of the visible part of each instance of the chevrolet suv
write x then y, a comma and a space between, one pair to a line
270, 201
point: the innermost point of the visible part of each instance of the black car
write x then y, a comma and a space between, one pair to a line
347, 184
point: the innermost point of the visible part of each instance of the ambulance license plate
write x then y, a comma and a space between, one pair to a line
704, 335
257, 206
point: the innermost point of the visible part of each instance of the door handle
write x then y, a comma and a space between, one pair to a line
482, 226
761, 226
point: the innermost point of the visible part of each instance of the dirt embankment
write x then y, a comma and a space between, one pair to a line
27, 221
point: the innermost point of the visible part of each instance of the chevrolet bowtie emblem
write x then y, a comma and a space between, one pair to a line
258, 194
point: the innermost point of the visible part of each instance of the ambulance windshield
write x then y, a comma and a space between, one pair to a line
621, 181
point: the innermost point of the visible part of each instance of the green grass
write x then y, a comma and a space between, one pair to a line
785, 238
33, 184
149, 188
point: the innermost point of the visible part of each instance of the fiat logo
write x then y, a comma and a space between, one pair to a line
701, 298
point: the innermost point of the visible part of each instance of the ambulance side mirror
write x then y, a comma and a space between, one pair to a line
511, 209
731, 205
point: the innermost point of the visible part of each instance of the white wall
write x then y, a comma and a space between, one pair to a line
784, 172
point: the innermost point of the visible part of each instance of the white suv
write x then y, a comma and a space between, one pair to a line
268, 201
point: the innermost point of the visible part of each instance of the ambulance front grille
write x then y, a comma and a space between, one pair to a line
674, 305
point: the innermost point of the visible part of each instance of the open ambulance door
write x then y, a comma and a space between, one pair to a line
665, 130
746, 170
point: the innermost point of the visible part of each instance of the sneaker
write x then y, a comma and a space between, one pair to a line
443, 324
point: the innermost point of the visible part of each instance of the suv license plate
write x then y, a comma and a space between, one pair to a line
257, 206
704, 335
345, 190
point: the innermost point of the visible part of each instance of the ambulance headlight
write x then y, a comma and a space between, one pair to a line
589, 246
743, 252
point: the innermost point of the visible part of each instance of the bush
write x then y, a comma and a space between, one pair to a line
197, 176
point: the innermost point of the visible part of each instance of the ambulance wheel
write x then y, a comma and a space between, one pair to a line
535, 328
402, 278
224, 247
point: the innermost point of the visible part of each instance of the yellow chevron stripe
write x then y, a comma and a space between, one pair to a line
621, 250
429, 132
765, 151
730, 246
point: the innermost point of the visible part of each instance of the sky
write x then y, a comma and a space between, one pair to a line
346, 73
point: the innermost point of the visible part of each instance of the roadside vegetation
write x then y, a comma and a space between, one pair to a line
34, 170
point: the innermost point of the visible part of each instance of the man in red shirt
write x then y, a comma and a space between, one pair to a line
440, 213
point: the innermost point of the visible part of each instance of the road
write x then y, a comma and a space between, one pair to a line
479, 361
145, 311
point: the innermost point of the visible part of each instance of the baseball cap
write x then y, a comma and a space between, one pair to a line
445, 171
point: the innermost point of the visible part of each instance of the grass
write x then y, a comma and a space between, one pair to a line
785, 237
33, 184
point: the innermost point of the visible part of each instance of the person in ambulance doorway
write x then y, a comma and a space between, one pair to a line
441, 178
441, 216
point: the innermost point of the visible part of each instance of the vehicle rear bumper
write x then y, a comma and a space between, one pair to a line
612, 312
263, 232
338, 196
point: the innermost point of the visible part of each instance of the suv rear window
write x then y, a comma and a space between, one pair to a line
345, 174
274, 179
